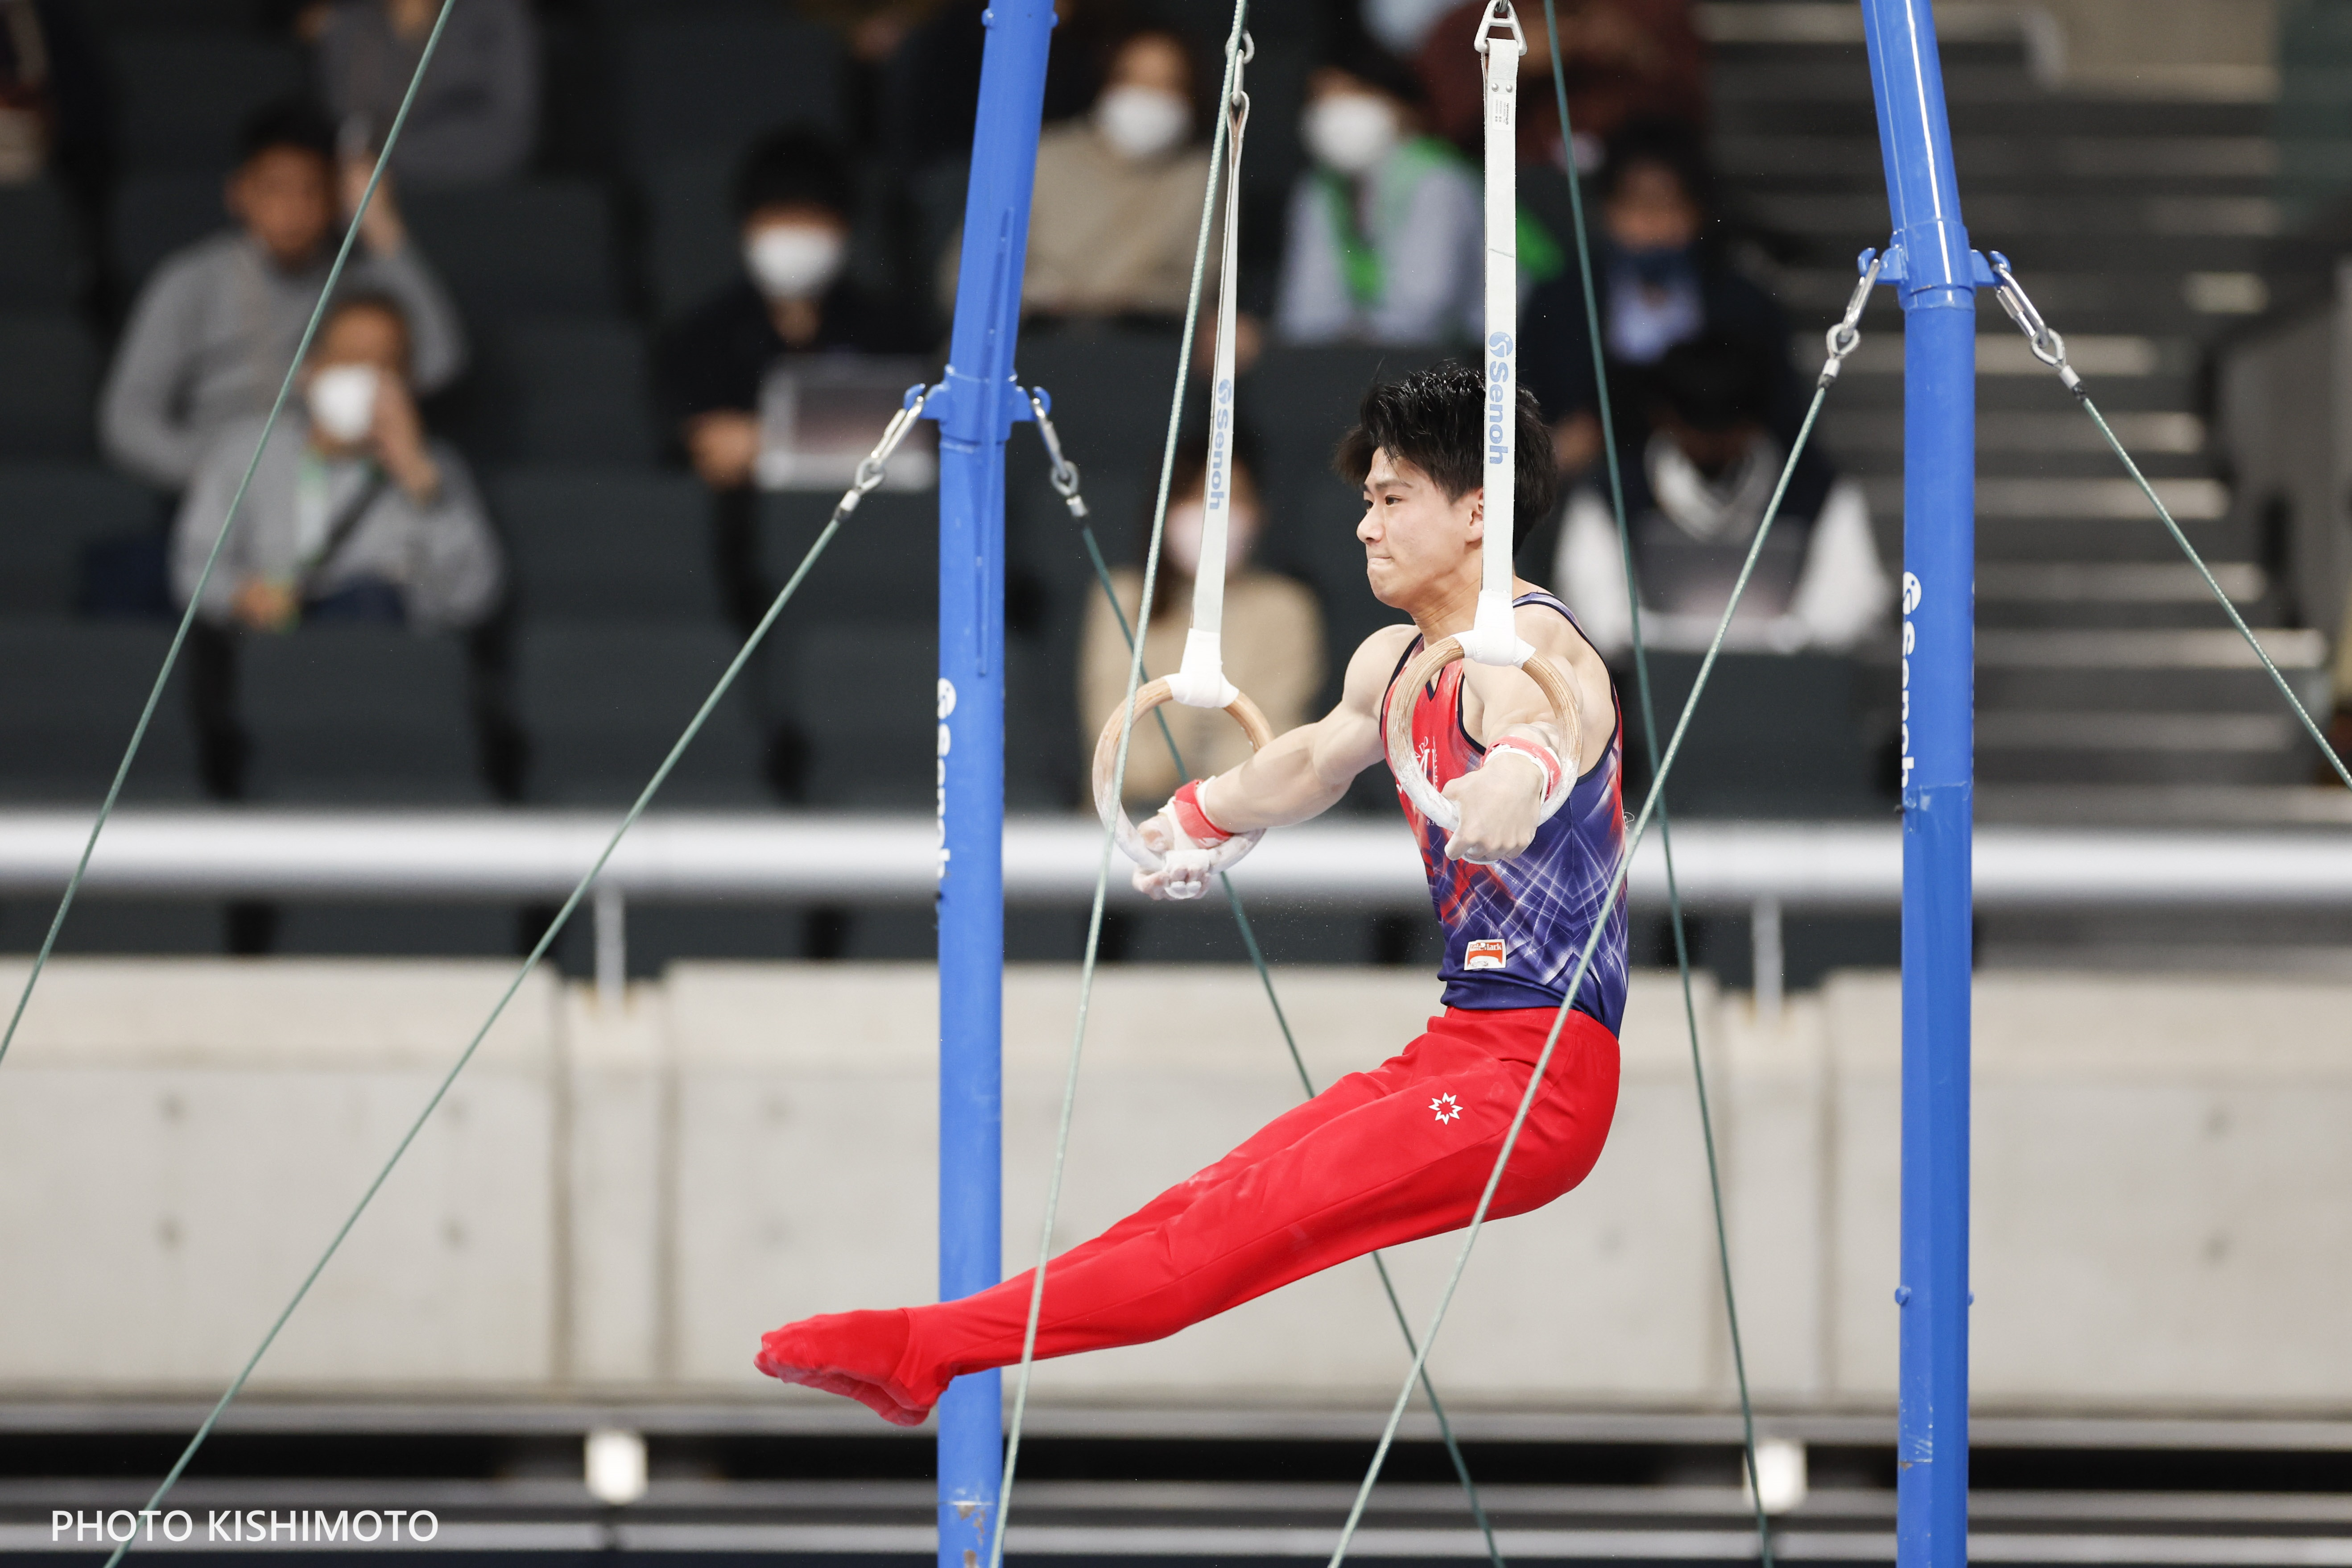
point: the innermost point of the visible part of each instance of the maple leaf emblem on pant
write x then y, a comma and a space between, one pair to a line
1447, 1108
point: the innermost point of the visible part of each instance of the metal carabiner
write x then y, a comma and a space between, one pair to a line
1065, 474
1846, 335
2039, 335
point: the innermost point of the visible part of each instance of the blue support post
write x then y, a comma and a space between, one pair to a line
1937, 281
976, 406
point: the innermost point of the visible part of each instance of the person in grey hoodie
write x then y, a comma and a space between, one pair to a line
353, 513
214, 330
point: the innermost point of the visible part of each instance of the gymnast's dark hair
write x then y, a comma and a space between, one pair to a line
1435, 419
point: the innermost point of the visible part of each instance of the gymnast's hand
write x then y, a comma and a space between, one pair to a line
1185, 866
1499, 803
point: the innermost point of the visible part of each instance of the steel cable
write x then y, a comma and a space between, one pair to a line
212, 557
1235, 46
869, 476
1650, 743
1584, 961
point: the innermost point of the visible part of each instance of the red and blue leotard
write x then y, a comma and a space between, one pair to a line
1515, 929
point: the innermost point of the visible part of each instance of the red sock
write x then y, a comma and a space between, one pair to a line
854, 1354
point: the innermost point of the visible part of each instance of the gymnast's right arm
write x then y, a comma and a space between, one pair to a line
1300, 774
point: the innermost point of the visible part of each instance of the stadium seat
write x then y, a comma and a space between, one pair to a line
396, 929
154, 213
710, 78
1298, 401
48, 388
884, 564
602, 544
42, 267
600, 704
113, 926
70, 693
692, 249
862, 698
358, 714
555, 392
186, 91
1774, 736
541, 248
50, 514
1110, 392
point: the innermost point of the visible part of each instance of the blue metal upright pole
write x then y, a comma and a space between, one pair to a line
976, 406
1937, 284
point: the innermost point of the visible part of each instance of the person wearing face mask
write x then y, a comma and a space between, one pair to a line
1117, 213
1383, 241
212, 332
1273, 636
353, 513
1660, 281
1698, 475
793, 205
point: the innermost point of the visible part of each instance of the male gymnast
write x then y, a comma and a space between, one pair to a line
1403, 1151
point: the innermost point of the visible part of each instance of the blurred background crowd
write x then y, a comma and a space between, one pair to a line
642, 278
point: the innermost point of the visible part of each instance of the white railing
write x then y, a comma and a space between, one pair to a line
777, 856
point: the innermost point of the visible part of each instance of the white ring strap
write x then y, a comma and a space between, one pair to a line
1200, 681
1495, 639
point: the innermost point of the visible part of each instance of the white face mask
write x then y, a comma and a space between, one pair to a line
793, 261
1187, 521
1142, 122
1351, 131
341, 400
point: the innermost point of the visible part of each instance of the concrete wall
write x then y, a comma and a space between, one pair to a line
620, 1203
2197, 48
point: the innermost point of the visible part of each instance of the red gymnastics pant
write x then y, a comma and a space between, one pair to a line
1379, 1158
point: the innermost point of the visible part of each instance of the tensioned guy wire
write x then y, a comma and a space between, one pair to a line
1839, 348
869, 475
2051, 349
1298, 1061
1650, 743
236, 502
1236, 43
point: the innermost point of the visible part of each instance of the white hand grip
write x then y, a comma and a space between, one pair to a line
1407, 766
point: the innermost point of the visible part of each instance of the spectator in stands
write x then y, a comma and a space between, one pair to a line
213, 331
477, 114
1661, 279
53, 113
1383, 241
1696, 484
793, 200
1624, 60
353, 514
931, 82
1117, 213
1273, 641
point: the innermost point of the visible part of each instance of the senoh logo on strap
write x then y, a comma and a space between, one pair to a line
1498, 397
1486, 952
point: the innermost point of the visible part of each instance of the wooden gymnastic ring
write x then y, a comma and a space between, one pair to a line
1548, 676
1243, 711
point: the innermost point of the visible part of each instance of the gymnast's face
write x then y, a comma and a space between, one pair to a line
1417, 543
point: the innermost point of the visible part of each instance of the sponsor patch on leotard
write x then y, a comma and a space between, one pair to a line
1486, 952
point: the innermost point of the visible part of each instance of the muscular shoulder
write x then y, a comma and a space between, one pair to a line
1373, 665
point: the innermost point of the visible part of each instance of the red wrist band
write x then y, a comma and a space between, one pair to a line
1184, 805
1536, 751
